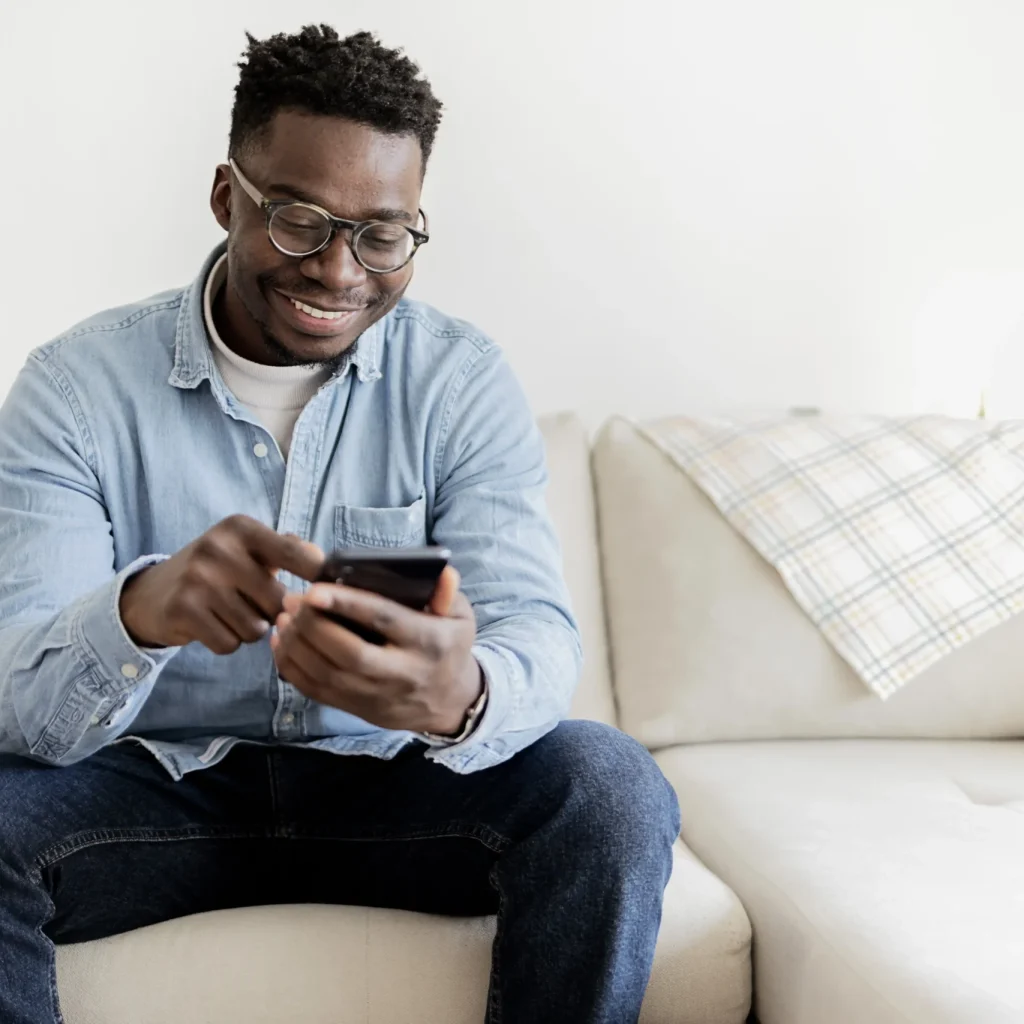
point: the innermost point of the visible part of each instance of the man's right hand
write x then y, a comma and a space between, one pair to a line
220, 590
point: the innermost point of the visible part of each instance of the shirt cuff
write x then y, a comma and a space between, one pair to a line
119, 662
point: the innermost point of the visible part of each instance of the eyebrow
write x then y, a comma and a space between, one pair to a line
386, 213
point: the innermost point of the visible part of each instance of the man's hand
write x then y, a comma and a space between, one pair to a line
424, 678
219, 590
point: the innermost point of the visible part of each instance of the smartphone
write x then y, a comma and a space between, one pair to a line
406, 575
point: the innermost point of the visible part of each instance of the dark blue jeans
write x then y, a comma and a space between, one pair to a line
569, 843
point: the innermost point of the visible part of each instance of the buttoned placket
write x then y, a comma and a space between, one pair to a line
278, 476
292, 485
297, 511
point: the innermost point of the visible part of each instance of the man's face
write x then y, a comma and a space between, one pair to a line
350, 170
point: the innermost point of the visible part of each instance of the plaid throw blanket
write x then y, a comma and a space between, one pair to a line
902, 539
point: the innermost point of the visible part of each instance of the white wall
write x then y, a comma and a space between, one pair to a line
675, 206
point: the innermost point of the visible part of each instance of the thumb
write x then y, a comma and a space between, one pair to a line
445, 591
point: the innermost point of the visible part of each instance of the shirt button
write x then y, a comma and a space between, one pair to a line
129, 671
259, 449
287, 719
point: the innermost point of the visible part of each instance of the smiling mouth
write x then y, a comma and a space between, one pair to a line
320, 314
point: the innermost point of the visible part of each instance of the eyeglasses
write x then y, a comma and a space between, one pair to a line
302, 229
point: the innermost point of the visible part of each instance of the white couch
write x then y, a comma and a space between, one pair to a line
877, 848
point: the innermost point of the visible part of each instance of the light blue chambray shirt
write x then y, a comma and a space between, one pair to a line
120, 444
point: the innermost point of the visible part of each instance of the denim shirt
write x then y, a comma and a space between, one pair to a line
120, 444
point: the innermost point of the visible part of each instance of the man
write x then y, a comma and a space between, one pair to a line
171, 474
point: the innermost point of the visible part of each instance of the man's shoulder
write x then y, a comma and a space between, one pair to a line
414, 321
111, 331
449, 362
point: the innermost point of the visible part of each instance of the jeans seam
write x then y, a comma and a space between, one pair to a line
100, 837
494, 841
493, 996
58, 1016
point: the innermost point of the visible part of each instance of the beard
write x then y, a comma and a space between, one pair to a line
282, 356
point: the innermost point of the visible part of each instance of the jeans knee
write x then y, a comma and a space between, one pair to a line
24, 812
615, 787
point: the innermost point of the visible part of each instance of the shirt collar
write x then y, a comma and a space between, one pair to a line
193, 360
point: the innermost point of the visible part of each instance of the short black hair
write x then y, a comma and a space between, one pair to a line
316, 71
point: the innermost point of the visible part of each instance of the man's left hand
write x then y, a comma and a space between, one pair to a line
424, 678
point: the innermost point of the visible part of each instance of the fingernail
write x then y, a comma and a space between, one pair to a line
320, 597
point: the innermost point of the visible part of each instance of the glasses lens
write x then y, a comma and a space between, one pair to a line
299, 229
384, 247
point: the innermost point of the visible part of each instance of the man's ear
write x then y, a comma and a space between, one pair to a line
220, 195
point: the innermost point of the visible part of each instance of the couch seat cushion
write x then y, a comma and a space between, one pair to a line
884, 878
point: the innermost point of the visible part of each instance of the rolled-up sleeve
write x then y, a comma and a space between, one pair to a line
71, 678
490, 510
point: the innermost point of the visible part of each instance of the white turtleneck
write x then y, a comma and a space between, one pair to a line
275, 395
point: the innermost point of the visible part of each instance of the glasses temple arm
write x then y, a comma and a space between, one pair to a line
247, 186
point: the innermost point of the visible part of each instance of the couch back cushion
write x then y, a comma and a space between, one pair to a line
708, 644
571, 504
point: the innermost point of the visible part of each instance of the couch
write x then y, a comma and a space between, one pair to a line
877, 849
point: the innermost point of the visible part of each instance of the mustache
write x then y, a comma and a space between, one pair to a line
362, 299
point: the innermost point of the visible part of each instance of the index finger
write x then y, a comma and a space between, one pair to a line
283, 551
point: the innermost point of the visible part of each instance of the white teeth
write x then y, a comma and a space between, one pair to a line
320, 314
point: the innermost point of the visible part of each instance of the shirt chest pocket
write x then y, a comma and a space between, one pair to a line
398, 527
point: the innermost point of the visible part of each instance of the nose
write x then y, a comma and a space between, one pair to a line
336, 267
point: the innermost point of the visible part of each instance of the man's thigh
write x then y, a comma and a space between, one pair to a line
118, 844
409, 797
413, 834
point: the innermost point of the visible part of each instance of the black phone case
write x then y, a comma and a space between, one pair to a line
408, 577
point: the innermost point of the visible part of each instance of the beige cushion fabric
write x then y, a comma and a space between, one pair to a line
355, 965
571, 504
884, 878
708, 644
